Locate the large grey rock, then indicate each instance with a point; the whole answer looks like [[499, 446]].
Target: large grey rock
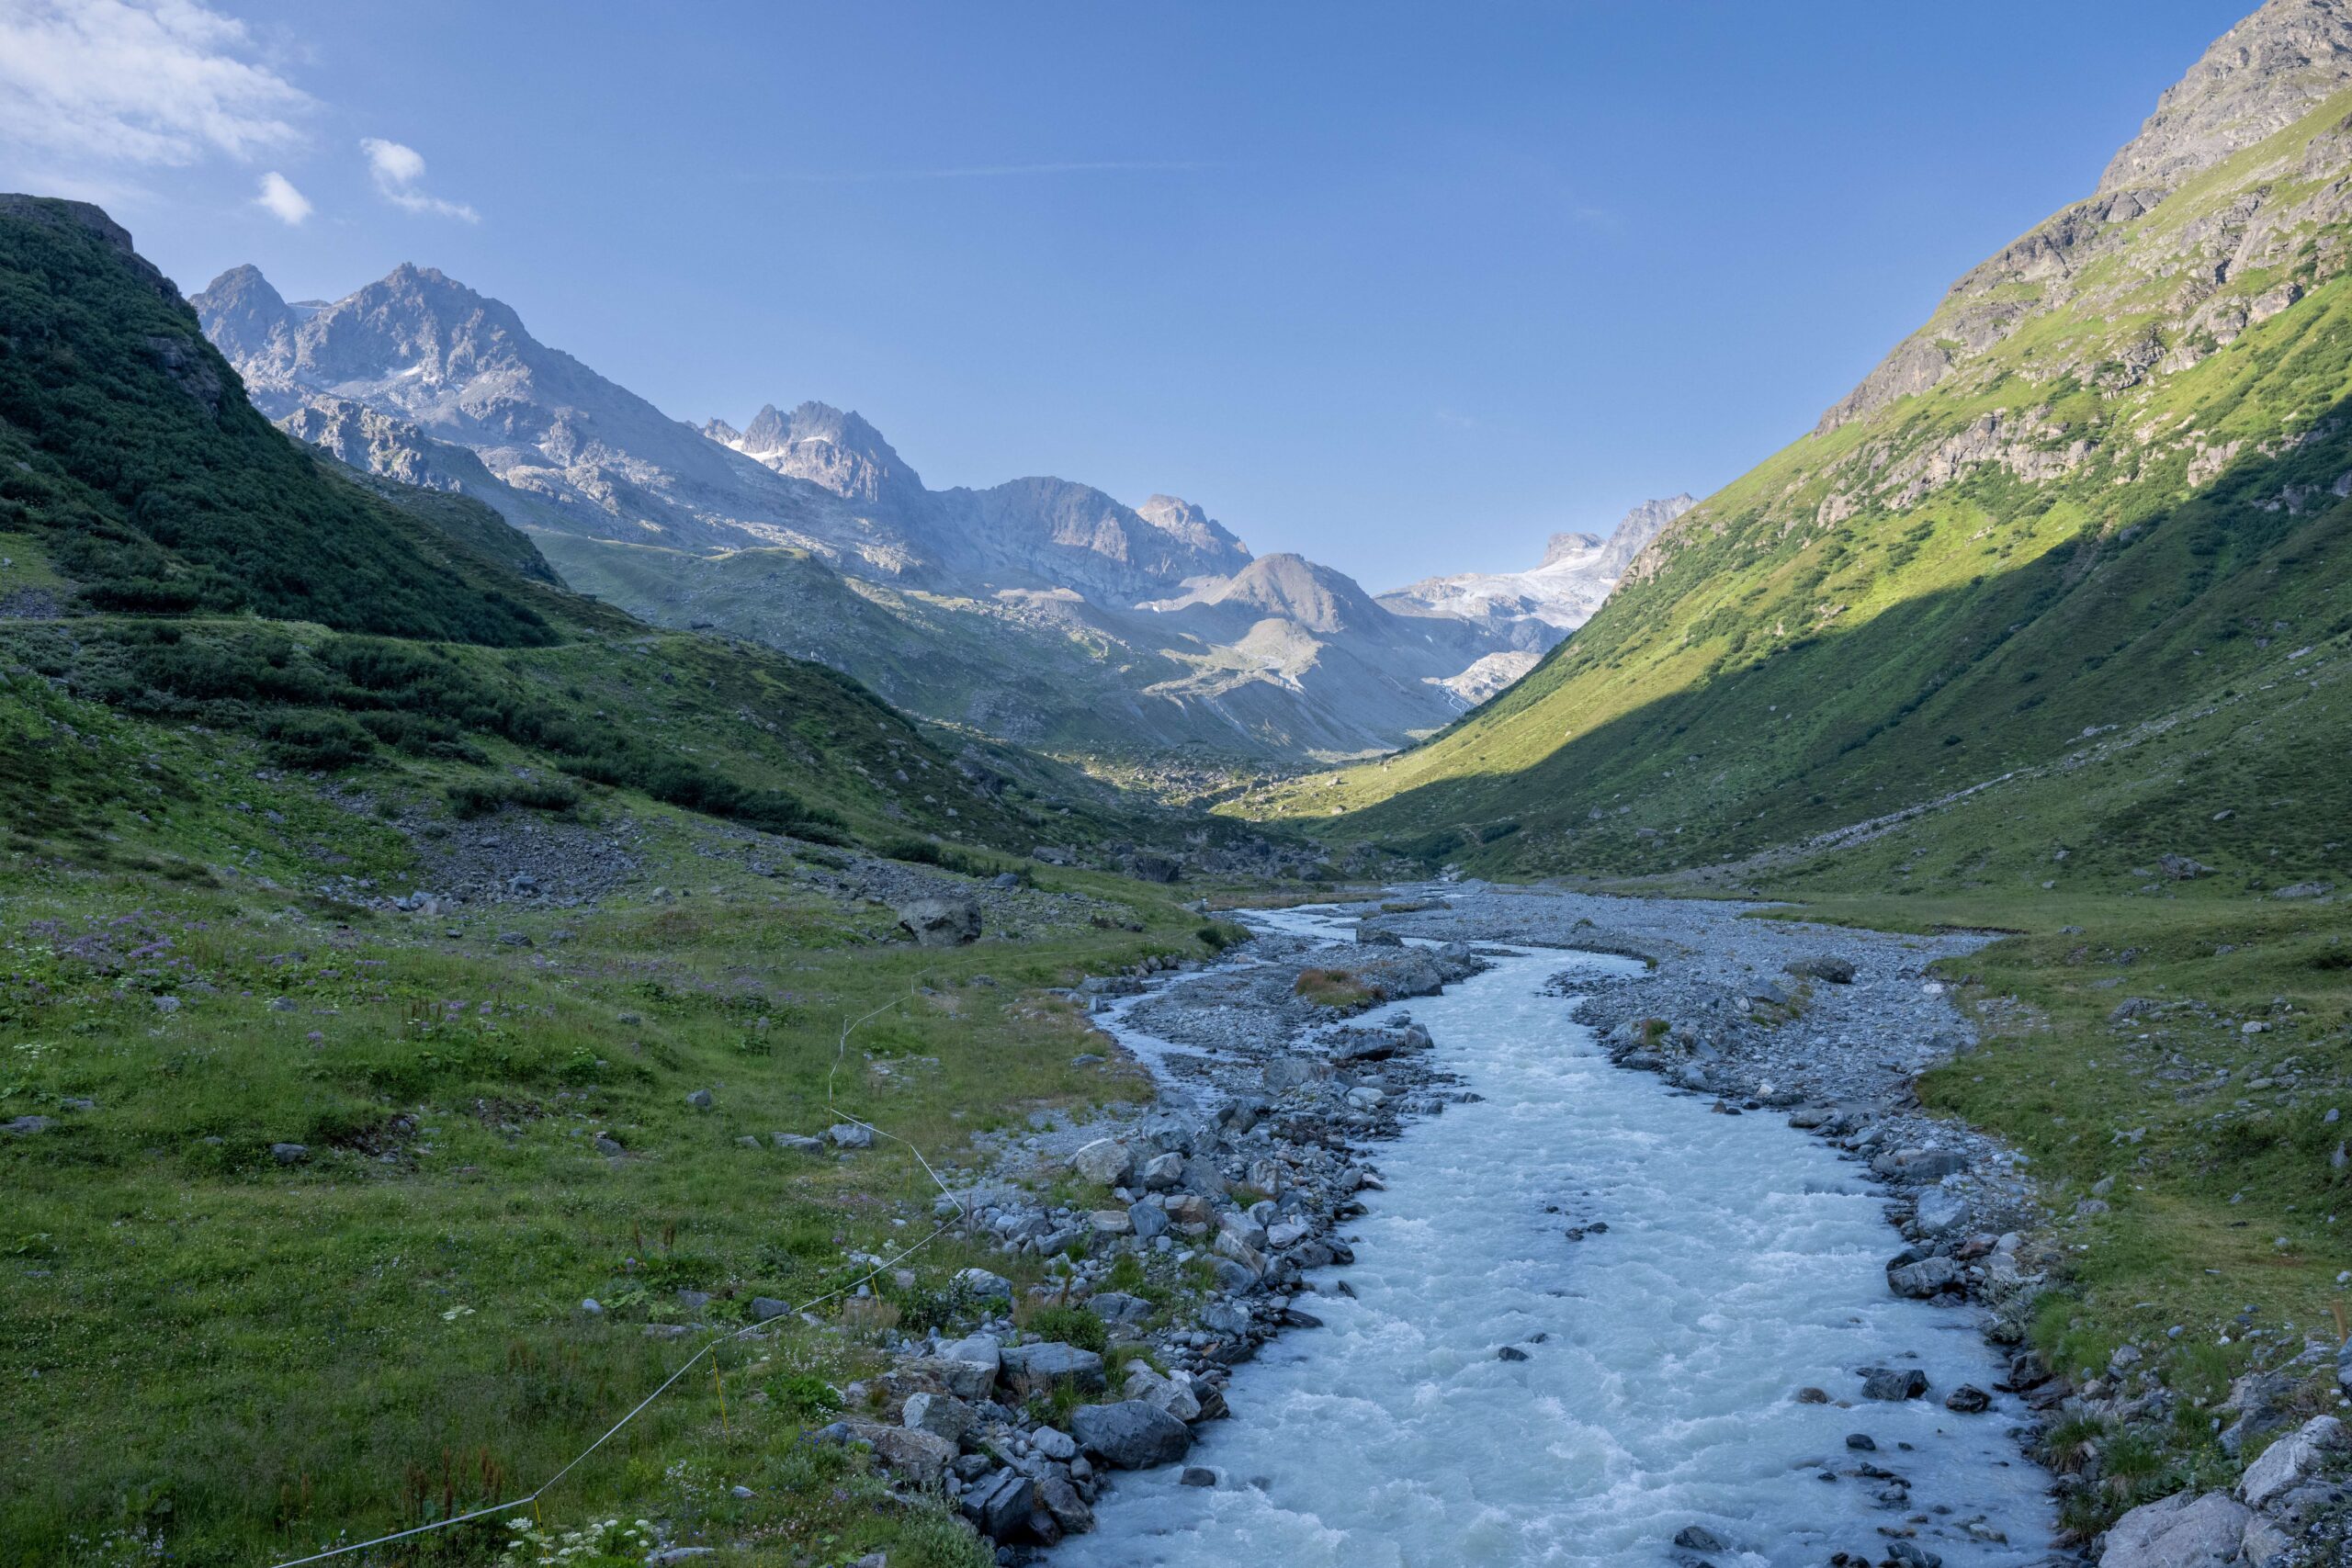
[[1060, 1498], [2291, 1461], [1130, 1434], [1105, 1162], [2177, 1533], [1941, 1210], [922, 1457], [1286, 1073], [1893, 1383], [966, 1367], [1036, 1369], [1162, 1393], [851, 1135], [941, 922], [1928, 1277], [999, 1504], [1163, 1171], [941, 1415]]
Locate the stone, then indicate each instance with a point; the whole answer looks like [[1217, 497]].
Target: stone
[[1940, 1211], [1162, 1171], [1197, 1475], [1149, 1220], [1928, 1277], [1000, 1503], [2180, 868], [1060, 1498], [1111, 1222], [1835, 971], [1105, 1162], [1895, 1383], [1812, 1396], [1920, 1164], [1699, 1537], [1162, 1393], [850, 1136], [1230, 1247], [1968, 1400], [922, 1457], [1286, 1073], [797, 1143], [1036, 1369], [26, 1126], [1861, 1442], [1130, 1434], [289, 1154], [2179, 1532], [1511, 1353], [966, 1368], [1118, 1307], [941, 1415], [765, 1309], [1055, 1444], [941, 922], [2264, 1542], [2291, 1461], [699, 1100]]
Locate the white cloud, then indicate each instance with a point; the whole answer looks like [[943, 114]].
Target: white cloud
[[136, 82], [397, 170], [278, 195]]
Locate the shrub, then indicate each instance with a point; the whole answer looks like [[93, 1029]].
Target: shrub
[[803, 1396], [1071, 1326], [470, 799]]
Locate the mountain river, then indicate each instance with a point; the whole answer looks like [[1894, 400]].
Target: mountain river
[[1741, 1261]]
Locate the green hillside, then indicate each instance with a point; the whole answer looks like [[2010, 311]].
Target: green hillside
[[370, 907], [2094, 573]]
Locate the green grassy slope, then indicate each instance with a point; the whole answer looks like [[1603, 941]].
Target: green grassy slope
[[2109, 550], [247, 698]]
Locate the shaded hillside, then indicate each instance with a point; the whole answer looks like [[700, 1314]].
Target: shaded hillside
[[128, 447], [2078, 547], [172, 559]]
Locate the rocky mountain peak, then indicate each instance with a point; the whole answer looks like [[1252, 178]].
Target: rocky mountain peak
[[829, 447], [244, 315], [2254, 81], [1172, 514]]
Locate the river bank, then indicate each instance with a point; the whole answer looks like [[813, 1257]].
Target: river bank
[[1268, 1099]]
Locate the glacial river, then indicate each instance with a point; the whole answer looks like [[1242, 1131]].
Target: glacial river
[[1741, 1261]]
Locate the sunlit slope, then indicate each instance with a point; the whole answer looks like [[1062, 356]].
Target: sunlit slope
[[2116, 496]]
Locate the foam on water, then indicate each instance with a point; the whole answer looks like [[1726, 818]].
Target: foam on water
[[1742, 1261]]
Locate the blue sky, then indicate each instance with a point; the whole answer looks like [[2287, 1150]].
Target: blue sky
[[1401, 287]]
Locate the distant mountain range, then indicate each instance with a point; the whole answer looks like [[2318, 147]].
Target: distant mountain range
[[1040, 609]]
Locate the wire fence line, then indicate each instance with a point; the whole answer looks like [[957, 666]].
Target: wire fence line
[[749, 1331]]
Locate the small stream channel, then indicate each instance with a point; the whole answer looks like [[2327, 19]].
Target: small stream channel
[[1741, 1261]]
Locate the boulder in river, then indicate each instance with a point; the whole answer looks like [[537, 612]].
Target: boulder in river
[[1895, 1383], [1130, 1434]]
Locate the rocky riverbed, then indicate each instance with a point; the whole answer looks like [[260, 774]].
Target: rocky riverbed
[[1236, 1208]]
